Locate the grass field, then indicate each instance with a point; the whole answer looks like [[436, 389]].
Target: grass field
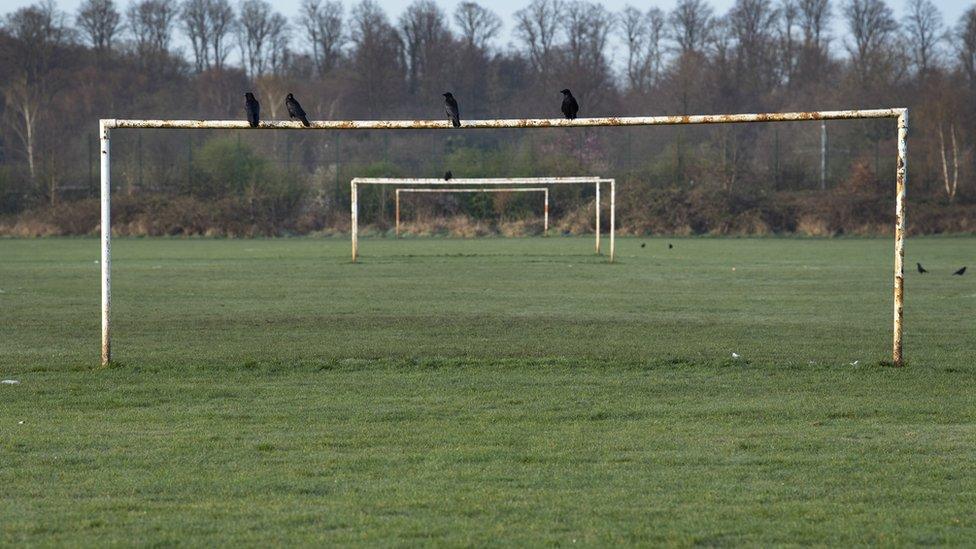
[[487, 392]]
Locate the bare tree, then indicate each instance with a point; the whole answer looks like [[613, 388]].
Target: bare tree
[[691, 25], [478, 25], [751, 24], [222, 22], [537, 25], [151, 24], [587, 28], [951, 183], [278, 41], [323, 30], [377, 58], [197, 27], [40, 31], [814, 19], [966, 37], [872, 26], [100, 22], [262, 36], [925, 29], [789, 44], [207, 24], [643, 34], [426, 40]]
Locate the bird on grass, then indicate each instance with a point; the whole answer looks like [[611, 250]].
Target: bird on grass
[[643, 244], [448, 175], [253, 109], [921, 269], [670, 246], [295, 110], [960, 272], [570, 106], [451, 107]]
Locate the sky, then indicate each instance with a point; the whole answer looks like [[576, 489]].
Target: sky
[[952, 10]]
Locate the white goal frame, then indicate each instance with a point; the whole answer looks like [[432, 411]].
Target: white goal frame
[[900, 114], [487, 182], [427, 190]]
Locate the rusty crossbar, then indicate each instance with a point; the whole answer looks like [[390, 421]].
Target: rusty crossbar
[[901, 114], [426, 190], [508, 122]]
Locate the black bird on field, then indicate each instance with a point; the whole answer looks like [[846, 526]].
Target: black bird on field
[[295, 110], [448, 175], [643, 244], [253, 109], [921, 269], [670, 245], [960, 272], [451, 107], [570, 106]]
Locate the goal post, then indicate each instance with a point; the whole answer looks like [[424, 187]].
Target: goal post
[[485, 182], [426, 190], [900, 114]]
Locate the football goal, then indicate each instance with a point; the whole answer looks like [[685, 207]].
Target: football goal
[[426, 190], [486, 182], [108, 125]]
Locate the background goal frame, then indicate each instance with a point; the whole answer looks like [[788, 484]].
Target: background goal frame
[[484, 181], [425, 190]]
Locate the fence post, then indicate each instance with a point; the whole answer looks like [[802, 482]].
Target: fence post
[[823, 155]]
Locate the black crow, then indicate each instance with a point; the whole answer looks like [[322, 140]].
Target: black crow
[[643, 244], [960, 272], [448, 175], [451, 107], [921, 269], [295, 110], [570, 106], [253, 109], [670, 245]]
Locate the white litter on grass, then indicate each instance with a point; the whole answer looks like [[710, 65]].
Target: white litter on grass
[[735, 355], [21, 422], [10, 382], [854, 363]]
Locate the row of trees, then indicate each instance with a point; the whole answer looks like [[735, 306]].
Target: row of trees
[[61, 72]]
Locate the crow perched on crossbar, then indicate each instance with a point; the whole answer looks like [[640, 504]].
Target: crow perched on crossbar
[[569, 107], [451, 107], [253, 109], [448, 175], [295, 110], [960, 272], [921, 269]]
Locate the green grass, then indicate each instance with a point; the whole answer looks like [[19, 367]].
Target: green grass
[[487, 392]]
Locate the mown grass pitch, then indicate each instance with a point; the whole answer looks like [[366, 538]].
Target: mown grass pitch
[[489, 391]]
